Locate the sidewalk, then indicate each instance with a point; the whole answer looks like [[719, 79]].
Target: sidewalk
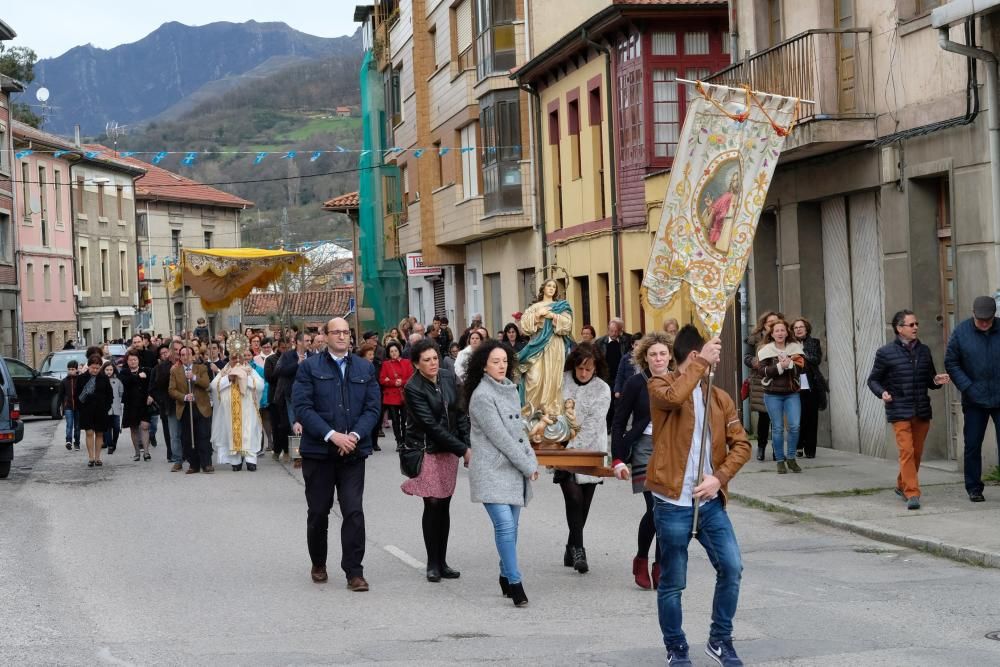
[[854, 492]]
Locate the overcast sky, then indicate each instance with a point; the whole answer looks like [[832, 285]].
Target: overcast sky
[[52, 27]]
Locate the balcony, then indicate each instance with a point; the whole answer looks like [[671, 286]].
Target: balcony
[[832, 67]]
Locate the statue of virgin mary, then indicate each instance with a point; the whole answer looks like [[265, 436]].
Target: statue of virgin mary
[[549, 322]]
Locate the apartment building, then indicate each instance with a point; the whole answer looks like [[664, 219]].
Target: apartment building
[[884, 197], [10, 336]]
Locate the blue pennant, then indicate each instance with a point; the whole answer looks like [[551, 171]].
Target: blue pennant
[[91, 155], [20, 155], [341, 149], [290, 155], [417, 153], [260, 157], [189, 158], [158, 158], [443, 150], [315, 156], [468, 149], [127, 154], [59, 154]]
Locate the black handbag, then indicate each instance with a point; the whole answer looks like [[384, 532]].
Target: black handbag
[[411, 460]]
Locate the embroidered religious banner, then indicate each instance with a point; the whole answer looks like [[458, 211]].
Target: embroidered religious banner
[[725, 159], [221, 275]]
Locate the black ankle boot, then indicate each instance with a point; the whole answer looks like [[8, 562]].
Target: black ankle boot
[[517, 595], [760, 452], [433, 574], [568, 556], [448, 573], [504, 586], [580, 560]]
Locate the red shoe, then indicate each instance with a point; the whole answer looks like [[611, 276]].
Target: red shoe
[[656, 575], [640, 568]]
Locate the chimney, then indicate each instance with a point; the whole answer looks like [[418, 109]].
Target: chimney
[[76, 135]]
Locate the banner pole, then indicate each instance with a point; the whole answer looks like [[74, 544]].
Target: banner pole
[[701, 450], [692, 82]]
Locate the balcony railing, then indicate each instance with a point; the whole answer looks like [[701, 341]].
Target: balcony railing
[[832, 67]]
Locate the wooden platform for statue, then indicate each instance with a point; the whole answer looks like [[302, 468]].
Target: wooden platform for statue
[[574, 460]]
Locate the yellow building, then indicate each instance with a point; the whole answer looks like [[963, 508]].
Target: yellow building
[[609, 111]]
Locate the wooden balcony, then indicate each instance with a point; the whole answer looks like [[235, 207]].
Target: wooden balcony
[[832, 67]]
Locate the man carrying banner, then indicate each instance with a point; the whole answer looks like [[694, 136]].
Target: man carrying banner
[[676, 408]]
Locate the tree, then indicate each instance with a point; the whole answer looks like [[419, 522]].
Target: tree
[[18, 62]]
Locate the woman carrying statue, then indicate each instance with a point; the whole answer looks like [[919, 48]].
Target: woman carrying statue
[[236, 425], [549, 322]]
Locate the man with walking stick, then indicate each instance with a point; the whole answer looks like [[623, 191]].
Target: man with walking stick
[[189, 383], [679, 413]]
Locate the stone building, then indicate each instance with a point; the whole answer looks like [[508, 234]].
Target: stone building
[[10, 336]]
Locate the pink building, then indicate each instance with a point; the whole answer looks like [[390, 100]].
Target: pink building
[[43, 214]]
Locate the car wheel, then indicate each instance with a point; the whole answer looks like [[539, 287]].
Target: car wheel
[[56, 409], [4, 469]]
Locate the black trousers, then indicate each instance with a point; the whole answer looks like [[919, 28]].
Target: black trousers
[[347, 478], [165, 423], [280, 428], [809, 423], [198, 453], [397, 414]]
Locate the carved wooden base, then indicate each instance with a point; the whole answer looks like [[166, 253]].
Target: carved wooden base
[[574, 460]]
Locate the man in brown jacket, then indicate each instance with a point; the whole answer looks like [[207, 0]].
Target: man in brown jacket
[[189, 384], [677, 408]]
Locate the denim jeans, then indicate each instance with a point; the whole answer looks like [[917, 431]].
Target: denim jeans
[[152, 427], [72, 427], [176, 448], [780, 407], [976, 421], [715, 532], [504, 518]]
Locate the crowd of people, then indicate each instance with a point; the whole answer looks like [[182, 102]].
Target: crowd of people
[[458, 400]]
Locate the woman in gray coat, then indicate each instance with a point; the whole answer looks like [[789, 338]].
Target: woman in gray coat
[[504, 462]]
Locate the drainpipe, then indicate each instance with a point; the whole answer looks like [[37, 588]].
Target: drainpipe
[[536, 168], [992, 114], [608, 111]]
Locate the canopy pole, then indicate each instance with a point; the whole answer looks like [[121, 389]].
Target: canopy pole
[[691, 82]]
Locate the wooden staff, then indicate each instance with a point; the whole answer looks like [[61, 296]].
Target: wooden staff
[[194, 448]]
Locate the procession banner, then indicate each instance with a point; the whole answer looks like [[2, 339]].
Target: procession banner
[[222, 275], [725, 159]]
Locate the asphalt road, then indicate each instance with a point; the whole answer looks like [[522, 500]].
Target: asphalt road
[[131, 564]]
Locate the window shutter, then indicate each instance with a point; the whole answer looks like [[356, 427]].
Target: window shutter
[[463, 17]]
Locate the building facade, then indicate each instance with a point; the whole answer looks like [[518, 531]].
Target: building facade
[[10, 330], [610, 113], [883, 198], [45, 257], [104, 239], [174, 212], [458, 130]]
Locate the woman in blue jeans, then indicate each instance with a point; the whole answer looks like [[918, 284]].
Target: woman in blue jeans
[[503, 463], [781, 361]]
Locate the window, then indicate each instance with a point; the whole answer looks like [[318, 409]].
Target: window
[[46, 282], [463, 35], [4, 160], [594, 105], [393, 99], [120, 201], [501, 124], [438, 165], [83, 261], [573, 123], [178, 316], [631, 142], [100, 200], [26, 191], [29, 281], [495, 43], [470, 169], [105, 271], [107, 333], [555, 159], [123, 271], [79, 194], [43, 206], [440, 57], [57, 182], [666, 112], [175, 242], [208, 239], [62, 282], [773, 22], [5, 237], [142, 224]]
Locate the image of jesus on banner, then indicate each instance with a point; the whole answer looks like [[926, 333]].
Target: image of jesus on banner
[[719, 208]]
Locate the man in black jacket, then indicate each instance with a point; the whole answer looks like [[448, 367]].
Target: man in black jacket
[[902, 374]]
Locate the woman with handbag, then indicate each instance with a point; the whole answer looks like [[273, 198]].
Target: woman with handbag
[[438, 426], [505, 463], [755, 390], [591, 395], [93, 399], [393, 376], [812, 389], [632, 445], [137, 404], [781, 362]]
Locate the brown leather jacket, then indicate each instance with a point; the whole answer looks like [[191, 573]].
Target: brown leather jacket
[[671, 410], [199, 386]]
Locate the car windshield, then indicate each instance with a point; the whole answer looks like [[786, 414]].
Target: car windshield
[[56, 363]]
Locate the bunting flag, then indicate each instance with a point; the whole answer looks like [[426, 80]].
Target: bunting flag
[[727, 152], [189, 158]]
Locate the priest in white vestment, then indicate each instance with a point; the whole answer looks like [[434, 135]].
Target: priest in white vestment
[[236, 426]]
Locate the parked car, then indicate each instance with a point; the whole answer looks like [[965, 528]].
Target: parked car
[[117, 353], [11, 426], [38, 394], [54, 363]]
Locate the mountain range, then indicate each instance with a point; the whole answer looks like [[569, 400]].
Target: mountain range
[[171, 71]]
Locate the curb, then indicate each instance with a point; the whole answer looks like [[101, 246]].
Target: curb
[[931, 545]]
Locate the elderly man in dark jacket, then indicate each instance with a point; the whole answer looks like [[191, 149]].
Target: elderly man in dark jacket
[[337, 401], [902, 374], [973, 362]]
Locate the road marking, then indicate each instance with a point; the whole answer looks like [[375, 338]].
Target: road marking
[[405, 557], [104, 655]]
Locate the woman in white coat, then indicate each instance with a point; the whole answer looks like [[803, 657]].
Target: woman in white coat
[[236, 425], [504, 463]]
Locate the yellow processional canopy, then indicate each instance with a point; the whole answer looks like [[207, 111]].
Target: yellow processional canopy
[[222, 275]]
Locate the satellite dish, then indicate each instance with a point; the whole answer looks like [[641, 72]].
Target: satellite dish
[[42, 95]]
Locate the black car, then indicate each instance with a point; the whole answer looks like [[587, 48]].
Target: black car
[[38, 394], [11, 426]]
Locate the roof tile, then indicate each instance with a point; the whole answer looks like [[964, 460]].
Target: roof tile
[[326, 303]]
